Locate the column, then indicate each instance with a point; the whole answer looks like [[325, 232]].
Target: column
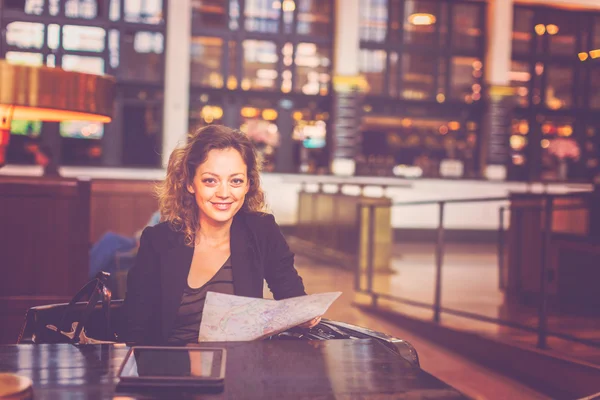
[[177, 76], [347, 86], [495, 151]]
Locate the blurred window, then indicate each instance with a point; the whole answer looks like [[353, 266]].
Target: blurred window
[[144, 11], [86, 9], [520, 78], [206, 57], [312, 69], [142, 56], [25, 35], [595, 88], [418, 77], [314, 18], [83, 38], [561, 31], [89, 65], [259, 65], [373, 22], [522, 30], [263, 15], [22, 58], [465, 80], [559, 87], [372, 66], [210, 13], [34, 7], [421, 20], [466, 22]]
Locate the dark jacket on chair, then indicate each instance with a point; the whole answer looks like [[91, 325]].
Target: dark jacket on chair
[[156, 282]]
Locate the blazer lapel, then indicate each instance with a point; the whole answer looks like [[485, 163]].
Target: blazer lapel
[[245, 279], [175, 269]]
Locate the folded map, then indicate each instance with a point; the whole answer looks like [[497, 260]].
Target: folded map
[[227, 318]]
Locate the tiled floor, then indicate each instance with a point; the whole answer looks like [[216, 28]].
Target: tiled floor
[[470, 283], [470, 378]]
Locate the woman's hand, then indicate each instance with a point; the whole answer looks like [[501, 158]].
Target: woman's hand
[[310, 324]]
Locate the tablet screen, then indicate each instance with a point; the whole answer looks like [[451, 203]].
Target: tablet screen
[[174, 363]]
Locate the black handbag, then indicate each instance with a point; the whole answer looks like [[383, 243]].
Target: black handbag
[[86, 319]]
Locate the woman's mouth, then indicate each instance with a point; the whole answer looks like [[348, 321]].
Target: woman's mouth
[[222, 206]]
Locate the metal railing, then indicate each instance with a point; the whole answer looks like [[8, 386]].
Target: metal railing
[[547, 209]]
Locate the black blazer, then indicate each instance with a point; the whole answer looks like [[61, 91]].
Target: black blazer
[[156, 282]]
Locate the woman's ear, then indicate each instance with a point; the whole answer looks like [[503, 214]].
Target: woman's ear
[[190, 189]]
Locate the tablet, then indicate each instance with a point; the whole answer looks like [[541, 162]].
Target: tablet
[[173, 366]]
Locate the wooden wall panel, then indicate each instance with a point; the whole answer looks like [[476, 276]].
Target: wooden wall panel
[[121, 206], [44, 242]]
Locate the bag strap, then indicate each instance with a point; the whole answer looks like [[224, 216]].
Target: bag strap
[[96, 290]]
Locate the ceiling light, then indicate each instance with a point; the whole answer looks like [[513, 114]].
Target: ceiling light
[[540, 29], [583, 56], [552, 29], [422, 19], [595, 53]]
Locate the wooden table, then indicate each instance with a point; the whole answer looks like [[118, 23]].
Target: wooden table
[[293, 369]]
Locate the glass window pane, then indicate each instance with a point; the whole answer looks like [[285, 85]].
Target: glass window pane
[[81, 129], [595, 88], [89, 65], [393, 74], [259, 65], [520, 78], [83, 38], [142, 56], [420, 21], [372, 66], [466, 23], [522, 30], [113, 47], [114, 12], [144, 11], [560, 151], [142, 138], [559, 87], [260, 124], [204, 114], [562, 34], [22, 58], [35, 7], [373, 20], [418, 75], [597, 33], [25, 35], [313, 67], [465, 79], [209, 14], [53, 36], [314, 17], [206, 58], [232, 81], [263, 15], [87, 9]]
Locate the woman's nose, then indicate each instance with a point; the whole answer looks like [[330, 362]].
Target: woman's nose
[[223, 190]]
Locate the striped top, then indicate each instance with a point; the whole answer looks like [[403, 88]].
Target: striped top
[[187, 322]]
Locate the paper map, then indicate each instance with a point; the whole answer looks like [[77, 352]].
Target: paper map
[[228, 318]]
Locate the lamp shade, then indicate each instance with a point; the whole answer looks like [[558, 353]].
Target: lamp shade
[[53, 94]]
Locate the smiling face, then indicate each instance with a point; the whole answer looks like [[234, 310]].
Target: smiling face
[[220, 186]]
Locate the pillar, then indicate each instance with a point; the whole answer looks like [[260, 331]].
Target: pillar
[[177, 76], [495, 148], [347, 86]]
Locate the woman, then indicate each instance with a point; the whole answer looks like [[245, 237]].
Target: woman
[[214, 237]]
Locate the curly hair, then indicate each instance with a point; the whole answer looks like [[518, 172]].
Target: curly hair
[[176, 204]]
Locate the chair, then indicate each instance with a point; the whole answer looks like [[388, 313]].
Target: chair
[[35, 330]]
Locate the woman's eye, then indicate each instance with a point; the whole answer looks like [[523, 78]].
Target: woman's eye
[[237, 181], [209, 180]]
